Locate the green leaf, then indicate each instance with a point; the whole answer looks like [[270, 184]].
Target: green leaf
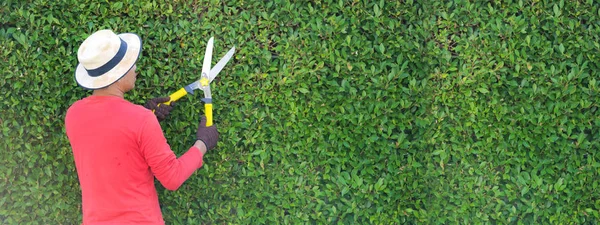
[[561, 48], [437, 152], [376, 10], [18, 85], [524, 191], [303, 90], [381, 48], [379, 184]]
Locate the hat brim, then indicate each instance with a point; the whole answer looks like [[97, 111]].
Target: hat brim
[[134, 49]]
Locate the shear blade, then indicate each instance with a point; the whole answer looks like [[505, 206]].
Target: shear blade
[[215, 70], [207, 57]]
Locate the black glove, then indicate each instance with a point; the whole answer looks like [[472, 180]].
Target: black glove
[[161, 111], [208, 135]]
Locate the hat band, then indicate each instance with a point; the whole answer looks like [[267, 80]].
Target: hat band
[[111, 63]]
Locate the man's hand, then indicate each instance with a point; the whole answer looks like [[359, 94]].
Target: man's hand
[[208, 135], [161, 111]]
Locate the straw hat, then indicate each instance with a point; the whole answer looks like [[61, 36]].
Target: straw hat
[[105, 57]]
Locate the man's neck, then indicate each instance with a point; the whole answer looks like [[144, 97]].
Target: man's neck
[[109, 91]]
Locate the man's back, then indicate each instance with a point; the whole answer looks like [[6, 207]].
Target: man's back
[[116, 181]]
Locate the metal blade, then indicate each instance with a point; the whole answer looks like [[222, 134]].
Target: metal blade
[[207, 58], [207, 93], [193, 86], [215, 70]]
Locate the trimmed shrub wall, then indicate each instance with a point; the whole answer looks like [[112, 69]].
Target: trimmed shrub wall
[[367, 112]]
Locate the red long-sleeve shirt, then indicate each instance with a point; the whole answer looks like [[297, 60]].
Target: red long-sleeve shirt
[[119, 148]]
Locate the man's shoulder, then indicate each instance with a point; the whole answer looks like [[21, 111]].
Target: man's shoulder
[[120, 106], [135, 111]]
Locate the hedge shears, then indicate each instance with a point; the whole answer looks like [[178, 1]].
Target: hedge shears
[[208, 75]]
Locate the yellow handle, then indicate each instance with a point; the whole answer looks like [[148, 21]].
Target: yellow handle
[[208, 112], [177, 95]]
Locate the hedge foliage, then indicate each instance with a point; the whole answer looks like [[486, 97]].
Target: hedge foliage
[[384, 112]]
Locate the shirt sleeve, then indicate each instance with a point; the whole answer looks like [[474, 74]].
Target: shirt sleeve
[[166, 167]]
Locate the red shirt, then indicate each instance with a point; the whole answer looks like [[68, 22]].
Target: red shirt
[[119, 148]]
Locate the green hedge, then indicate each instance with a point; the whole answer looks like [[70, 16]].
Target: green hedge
[[384, 112]]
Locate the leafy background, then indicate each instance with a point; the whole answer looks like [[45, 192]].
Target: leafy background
[[331, 111]]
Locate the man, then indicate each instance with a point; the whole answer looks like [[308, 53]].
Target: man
[[119, 147]]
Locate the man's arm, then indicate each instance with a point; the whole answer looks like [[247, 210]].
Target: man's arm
[[166, 167], [201, 146]]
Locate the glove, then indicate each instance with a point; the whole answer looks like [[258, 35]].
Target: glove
[[208, 135], [161, 111]]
